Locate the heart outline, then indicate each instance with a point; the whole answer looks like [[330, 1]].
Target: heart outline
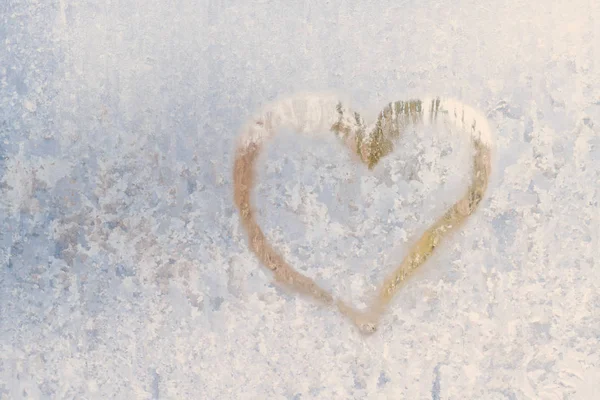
[[319, 112]]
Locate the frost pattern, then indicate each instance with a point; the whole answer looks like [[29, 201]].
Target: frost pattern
[[124, 272]]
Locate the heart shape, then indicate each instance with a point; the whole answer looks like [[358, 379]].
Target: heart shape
[[325, 112]]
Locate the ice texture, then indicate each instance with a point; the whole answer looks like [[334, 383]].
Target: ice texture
[[124, 272]]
